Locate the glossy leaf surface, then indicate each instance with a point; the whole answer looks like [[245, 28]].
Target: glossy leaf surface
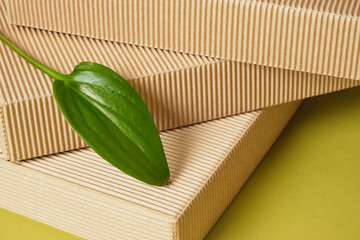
[[110, 116]]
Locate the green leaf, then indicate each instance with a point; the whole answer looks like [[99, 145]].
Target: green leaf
[[110, 116]]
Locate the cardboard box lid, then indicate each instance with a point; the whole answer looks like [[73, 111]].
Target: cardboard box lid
[[79, 192], [179, 89], [317, 36]]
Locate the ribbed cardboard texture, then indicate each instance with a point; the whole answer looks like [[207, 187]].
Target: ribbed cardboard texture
[[179, 89], [316, 36], [79, 192]]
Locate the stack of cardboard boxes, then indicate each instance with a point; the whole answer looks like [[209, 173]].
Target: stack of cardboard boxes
[[220, 78]]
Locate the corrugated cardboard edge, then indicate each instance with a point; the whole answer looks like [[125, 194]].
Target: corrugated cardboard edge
[[36, 127], [254, 32], [21, 195], [3, 136], [229, 177], [175, 99]]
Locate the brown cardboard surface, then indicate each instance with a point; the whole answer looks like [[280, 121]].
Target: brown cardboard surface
[[315, 36], [79, 192], [179, 89]]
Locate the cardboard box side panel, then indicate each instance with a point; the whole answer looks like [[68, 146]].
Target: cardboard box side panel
[[300, 39], [226, 88], [4, 151], [174, 99], [84, 213], [339, 7], [36, 127], [232, 173]]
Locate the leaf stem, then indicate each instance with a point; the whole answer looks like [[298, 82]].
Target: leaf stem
[[53, 74]]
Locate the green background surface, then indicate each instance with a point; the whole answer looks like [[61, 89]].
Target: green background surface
[[307, 186]]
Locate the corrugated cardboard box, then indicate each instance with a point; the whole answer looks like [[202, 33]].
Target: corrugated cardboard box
[[318, 36], [79, 192], [179, 89]]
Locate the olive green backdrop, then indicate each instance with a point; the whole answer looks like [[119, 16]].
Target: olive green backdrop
[[307, 187]]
